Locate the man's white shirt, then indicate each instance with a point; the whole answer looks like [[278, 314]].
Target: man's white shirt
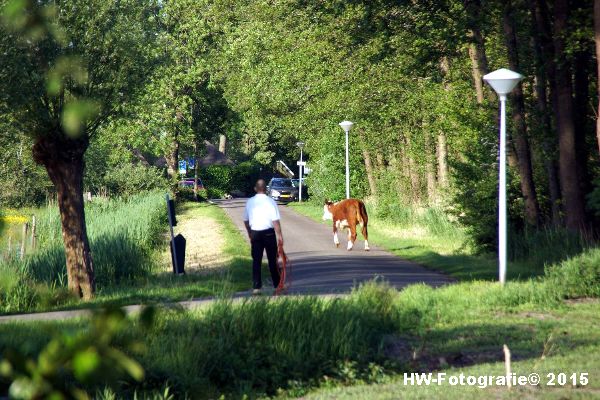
[[260, 212]]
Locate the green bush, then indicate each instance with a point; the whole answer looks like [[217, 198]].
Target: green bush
[[220, 180], [576, 277], [23, 182], [130, 179]]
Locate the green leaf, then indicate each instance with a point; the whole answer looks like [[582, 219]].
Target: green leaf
[[77, 114], [85, 363]]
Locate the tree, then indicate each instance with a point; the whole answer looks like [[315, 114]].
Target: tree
[[597, 42], [532, 209], [68, 68], [477, 53], [569, 177]]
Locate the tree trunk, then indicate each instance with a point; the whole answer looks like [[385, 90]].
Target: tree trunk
[[410, 165], [479, 63], [222, 143], [476, 72], [63, 159], [545, 121], [532, 209], [172, 158], [597, 41], [569, 179], [442, 142], [430, 170], [545, 73], [370, 174], [582, 72], [196, 168], [442, 157]]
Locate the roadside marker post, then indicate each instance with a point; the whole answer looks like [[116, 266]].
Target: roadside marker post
[[177, 243]]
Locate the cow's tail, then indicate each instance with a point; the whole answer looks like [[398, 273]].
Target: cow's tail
[[362, 216]]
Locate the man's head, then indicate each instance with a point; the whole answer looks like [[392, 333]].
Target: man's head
[[261, 186]]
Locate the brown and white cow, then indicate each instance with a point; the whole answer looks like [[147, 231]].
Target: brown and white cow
[[347, 214]]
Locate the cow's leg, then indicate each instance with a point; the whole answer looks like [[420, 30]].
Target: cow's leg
[[366, 236], [336, 241], [351, 237]]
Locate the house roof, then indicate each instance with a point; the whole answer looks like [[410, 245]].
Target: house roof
[[214, 156]]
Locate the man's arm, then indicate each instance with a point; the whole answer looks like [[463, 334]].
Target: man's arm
[[277, 226], [247, 224], [246, 218]]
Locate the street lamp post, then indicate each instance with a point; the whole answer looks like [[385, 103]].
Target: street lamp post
[[300, 170], [346, 126], [503, 81]]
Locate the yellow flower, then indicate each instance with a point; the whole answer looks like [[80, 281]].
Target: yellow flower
[[14, 219]]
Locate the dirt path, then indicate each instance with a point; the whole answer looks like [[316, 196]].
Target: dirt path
[[205, 241]]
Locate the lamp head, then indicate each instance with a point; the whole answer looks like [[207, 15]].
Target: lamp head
[[300, 144], [346, 125], [503, 80]]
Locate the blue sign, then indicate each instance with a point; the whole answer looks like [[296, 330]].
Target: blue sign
[[191, 162], [182, 167]]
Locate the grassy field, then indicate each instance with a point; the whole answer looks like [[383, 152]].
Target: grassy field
[[358, 347], [563, 340], [128, 241]]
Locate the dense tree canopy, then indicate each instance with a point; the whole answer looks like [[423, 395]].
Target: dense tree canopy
[[147, 82]]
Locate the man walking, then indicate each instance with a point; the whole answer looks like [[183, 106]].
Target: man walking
[[261, 218]]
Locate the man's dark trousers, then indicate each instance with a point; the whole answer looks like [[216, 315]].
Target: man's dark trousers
[[264, 240]]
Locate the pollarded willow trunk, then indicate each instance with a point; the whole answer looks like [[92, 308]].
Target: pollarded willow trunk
[[63, 159]]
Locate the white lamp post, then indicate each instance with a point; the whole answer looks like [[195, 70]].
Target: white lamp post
[[503, 81], [346, 126], [300, 170]]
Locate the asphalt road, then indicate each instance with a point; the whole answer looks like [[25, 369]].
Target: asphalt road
[[318, 267]]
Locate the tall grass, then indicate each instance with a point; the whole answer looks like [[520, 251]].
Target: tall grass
[[545, 246], [122, 236], [259, 346], [433, 219]]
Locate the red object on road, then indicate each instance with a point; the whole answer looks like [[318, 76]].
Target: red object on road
[[285, 281]]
